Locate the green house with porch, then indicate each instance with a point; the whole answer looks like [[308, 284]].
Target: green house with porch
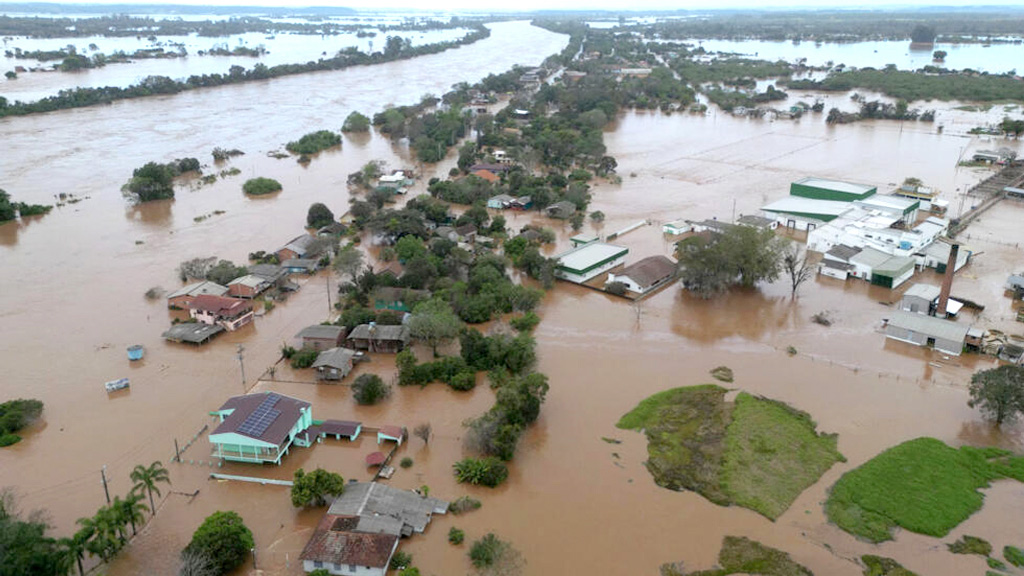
[[260, 428]]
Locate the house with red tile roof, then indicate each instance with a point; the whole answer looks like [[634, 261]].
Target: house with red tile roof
[[230, 313]]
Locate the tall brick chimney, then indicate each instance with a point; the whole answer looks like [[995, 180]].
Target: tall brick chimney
[[947, 281]]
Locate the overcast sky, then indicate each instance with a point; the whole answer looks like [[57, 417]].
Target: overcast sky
[[478, 5]]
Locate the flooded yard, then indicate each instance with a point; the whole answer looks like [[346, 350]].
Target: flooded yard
[[71, 300]]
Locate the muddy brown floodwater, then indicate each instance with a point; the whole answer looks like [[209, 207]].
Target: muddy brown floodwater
[[71, 299]]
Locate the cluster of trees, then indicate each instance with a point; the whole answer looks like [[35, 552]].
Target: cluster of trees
[[517, 404], [10, 210], [15, 415], [155, 181], [319, 215], [489, 471], [998, 393], [430, 133], [314, 488], [966, 85], [356, 122], [153, 85], [210, 268], [26, 549], [1008, 125], [314, 142], [739, 256], [369, 389], [451, 370]]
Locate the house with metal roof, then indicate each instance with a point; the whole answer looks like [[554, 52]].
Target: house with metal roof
[[297, 247], [561, 210], [646, 275], [321, 337], [500, 202], [334, 363], [191, 332], [588, 261], [393, 511], [922, 330], [882, 269], [300, 265], [248, 286], [180, 299], [799, 213], [378, 338], [260, 428], [924, 299], [676, 227]]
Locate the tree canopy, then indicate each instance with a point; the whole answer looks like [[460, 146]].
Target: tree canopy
[[998, 393], [319, 215], [15, 415], [356, 122], [223, 538], [434, 323], [260, 186], [369, 389], [313, 489], [739, 256]]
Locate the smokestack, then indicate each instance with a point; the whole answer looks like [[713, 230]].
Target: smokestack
[[947, 281]]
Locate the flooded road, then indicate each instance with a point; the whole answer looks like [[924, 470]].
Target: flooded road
[[71, 299]]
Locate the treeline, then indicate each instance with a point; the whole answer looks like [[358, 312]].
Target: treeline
[[154, 85], [10, 210], [911, 86], [844, 26]]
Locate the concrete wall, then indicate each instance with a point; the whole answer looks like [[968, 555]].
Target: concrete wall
[[343, 569]]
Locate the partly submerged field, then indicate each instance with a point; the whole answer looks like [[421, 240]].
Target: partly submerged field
[[744, 556], [754, 452], [921, 485]]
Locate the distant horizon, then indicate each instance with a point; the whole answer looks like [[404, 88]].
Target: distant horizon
[[612, 7]]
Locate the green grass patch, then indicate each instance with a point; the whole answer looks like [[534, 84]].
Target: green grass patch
[[773, 453], [997, 564], [1014, 556], [745, 556], [260, 186], [921, 485], [971, 545], [757, 453], [881, 566]]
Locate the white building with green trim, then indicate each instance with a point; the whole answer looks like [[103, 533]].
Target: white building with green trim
[[588, 261], [260, 428]]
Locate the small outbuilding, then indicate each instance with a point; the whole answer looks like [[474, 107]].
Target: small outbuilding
[[334, 363], [192, 332], [395, 434], [299, 265], [500, 202]]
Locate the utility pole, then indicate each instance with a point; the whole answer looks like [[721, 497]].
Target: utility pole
[[241, 363], [327, 277], [103, 475]]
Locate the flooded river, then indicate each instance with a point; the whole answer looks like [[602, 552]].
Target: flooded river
[[71, 299]]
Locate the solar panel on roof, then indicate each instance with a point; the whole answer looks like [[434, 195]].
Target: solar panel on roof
[[256, 423]]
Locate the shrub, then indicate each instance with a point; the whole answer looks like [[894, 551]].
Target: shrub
[[463, 381], [287, 351], [356, 122], [260, 186], [456, 536], [304, 358], [526, 322], [369, 389], [464, 504], [615, 288], [314, 142], [971, 545], [487, 551], [400, 560], [1014, 556], [722, 373], [488, 471], [406, 462], [319, 215]]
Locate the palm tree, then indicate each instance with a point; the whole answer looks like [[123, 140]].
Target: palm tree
[[132, 509], [147, 478], [72, 550], [101, 534]]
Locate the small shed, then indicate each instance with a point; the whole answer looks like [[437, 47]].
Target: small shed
[[333, 364], [376, 458], [466, 233], [321, 337], [396, 434], [581, 239], [920, 298], [522, 203], [500, 202], [676, 227], [340, 429], [192, 332]]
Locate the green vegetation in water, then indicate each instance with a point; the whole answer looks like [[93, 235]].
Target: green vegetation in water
[[995, 563], [488, 471], [971, 545], [741, 555], [911, 85], [757, 453], [880, 566], [8, 209], [921, 485], [456, 536], [260, 186], [15, 415], [722, 374], [314, 142], [155, 181], [1014, 556], [464, 504]]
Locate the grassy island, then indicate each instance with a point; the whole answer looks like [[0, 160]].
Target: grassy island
[[754, 452]]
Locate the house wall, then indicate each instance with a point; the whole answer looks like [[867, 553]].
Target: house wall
[[899, 280], [629, 282], [918, 339], [321, 344], [236, 323], [286, 254], [833, 272], [203, 316], [580, 278], [330, 373], [795, 221], [342, 569], [915, 304], [242, 291]]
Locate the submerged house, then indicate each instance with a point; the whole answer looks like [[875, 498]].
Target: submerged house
[[377, 338], [260, 428], [645, 275], [588, 261], [334, 364], [230, 313], [248, 286], [180, 299], [298, 247], [362, 528], [321, 337], [561, 210], [922, 330], [397, 299]]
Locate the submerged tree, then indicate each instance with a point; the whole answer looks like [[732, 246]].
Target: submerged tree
[[739, 256], [795, 265], [146, 479], [998, 393], [313, 489]]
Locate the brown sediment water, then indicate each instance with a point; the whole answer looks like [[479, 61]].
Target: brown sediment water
[[71, 300]]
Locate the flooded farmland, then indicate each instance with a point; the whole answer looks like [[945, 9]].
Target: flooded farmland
[[71, 299]]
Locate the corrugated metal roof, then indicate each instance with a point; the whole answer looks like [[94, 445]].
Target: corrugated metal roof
[[929, 325], [589, 255], [800, 205], [335, 358], [837, 185]]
